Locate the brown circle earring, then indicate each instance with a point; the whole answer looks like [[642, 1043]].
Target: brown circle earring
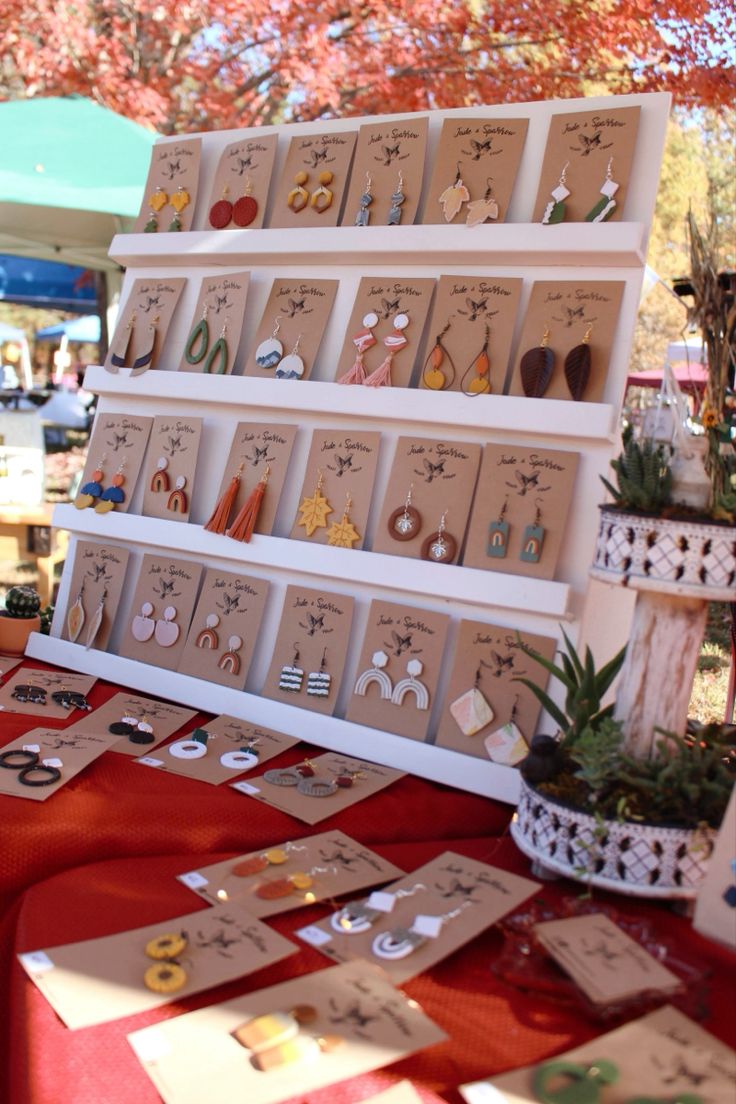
[[404, 524]]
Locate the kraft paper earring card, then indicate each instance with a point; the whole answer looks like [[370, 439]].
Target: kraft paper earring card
[[309, 654], [224, 630], [346, 464], [45, 759], [240, 188], [117, 445], [486, 713], [291, 328], [469, 335], [171, 187], [170, 466], [388, 169], [566, 340], [32, 690], [135, 722], [427, 503], [218, 1054], [422, 918], [143, 322], [398, 670], [258, 453], [95, 587], [341, 866], [587, 166], [311, 188], [98, 980], [519, 516], [384, 331], [474, 170], [664, 1056], [320, 787], [217, 324], [231, 748], [715, 905], [159, 616]]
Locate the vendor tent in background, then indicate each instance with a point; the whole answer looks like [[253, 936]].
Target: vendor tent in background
[[71, 176], [80, 331], [10, 335], [38, 283]]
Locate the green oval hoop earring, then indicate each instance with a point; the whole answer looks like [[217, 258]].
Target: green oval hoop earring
[[218, 350], [201, 334]]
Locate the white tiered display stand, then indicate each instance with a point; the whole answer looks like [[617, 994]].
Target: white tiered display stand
[[608, 251]]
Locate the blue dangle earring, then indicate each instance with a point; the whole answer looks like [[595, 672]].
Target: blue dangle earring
[[533, 540], [363, 216], [498, 534]]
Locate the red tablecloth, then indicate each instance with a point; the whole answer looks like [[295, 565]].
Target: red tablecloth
[[102, 854]]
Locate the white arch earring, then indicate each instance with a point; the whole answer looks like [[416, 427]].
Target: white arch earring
[[412, 685], [167, 631], [143, 625], [375, 674]]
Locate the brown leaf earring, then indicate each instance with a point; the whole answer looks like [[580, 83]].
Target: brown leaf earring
[[479, 371], [536, 368], [577, 366], [432, 375]]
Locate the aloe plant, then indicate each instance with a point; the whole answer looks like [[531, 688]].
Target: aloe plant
[[643, 475], [585, 687]]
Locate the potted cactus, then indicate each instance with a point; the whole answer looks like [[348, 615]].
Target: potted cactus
[[595, 807], [19, 619]]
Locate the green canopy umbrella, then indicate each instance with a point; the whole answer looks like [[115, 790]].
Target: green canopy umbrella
[[71, 176]]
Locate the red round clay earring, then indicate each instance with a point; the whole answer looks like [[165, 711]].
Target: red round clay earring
[[221, 212], [245, 209]]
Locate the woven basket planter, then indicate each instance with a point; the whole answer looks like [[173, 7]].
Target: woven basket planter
[[635, 859], [690, 558]]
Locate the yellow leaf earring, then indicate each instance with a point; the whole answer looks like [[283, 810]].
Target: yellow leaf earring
[[343, 534], [179, 200], [315, 510], [156, 201]]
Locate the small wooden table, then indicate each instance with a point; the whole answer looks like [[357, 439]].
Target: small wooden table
[[26, 535]]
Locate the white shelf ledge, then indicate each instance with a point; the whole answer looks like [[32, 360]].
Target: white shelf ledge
[[548, 418], [424, 760], [616, 244], [469, 585]]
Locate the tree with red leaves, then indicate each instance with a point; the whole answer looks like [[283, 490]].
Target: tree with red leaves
[[203, 64]]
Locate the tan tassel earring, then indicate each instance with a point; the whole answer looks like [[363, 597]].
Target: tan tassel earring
[[245, 523], [220, 516]]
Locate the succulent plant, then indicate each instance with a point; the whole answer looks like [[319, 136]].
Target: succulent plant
[[22, 602], [643, 476]]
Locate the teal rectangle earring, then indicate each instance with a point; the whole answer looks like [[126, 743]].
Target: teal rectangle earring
[[533, 540], [498, 535]]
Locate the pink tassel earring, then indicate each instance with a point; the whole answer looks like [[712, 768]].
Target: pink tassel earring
[[363, 341], [394, 343]]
